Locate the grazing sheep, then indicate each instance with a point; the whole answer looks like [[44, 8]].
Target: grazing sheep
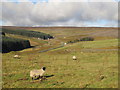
[[65, 43], [74, 58], [37, 73], [16, 56]]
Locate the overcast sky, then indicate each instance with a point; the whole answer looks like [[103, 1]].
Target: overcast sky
[[59, 13]]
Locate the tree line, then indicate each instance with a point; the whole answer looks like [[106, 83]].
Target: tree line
[[13, 44], [82, 39], [28, 33]]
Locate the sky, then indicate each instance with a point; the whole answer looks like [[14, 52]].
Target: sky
[[78, 13]]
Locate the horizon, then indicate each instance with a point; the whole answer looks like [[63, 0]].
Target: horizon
[[59, 27]]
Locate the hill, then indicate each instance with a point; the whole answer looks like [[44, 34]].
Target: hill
[[96, 65]]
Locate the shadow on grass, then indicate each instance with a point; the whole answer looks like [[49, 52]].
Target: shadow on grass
[[43, 77], [47, 76], [7, 51]]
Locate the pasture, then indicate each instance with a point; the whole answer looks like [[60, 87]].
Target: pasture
[[96, 65]]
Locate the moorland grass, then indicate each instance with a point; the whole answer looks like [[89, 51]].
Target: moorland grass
[[85, 72]]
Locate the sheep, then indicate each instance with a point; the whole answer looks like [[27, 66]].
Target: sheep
[[37, 73], [16, 56], [74, 58], [65, 43]]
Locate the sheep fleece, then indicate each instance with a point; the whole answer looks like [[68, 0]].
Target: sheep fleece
[[34, 73]]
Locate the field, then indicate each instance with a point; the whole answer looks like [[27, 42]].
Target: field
[[96, 65]]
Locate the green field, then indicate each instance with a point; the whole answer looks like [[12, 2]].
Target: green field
[[96, 65]]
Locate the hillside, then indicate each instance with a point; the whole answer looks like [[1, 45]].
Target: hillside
[[96, 65]]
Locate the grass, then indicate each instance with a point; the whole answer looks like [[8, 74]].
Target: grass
[[92, 69]]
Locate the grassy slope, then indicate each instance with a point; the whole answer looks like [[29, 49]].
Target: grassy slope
[[85, 72]]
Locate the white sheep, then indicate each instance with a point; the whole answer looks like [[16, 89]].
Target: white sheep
[[37, 73], [65, 43], [16, 56], [74, 58]]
